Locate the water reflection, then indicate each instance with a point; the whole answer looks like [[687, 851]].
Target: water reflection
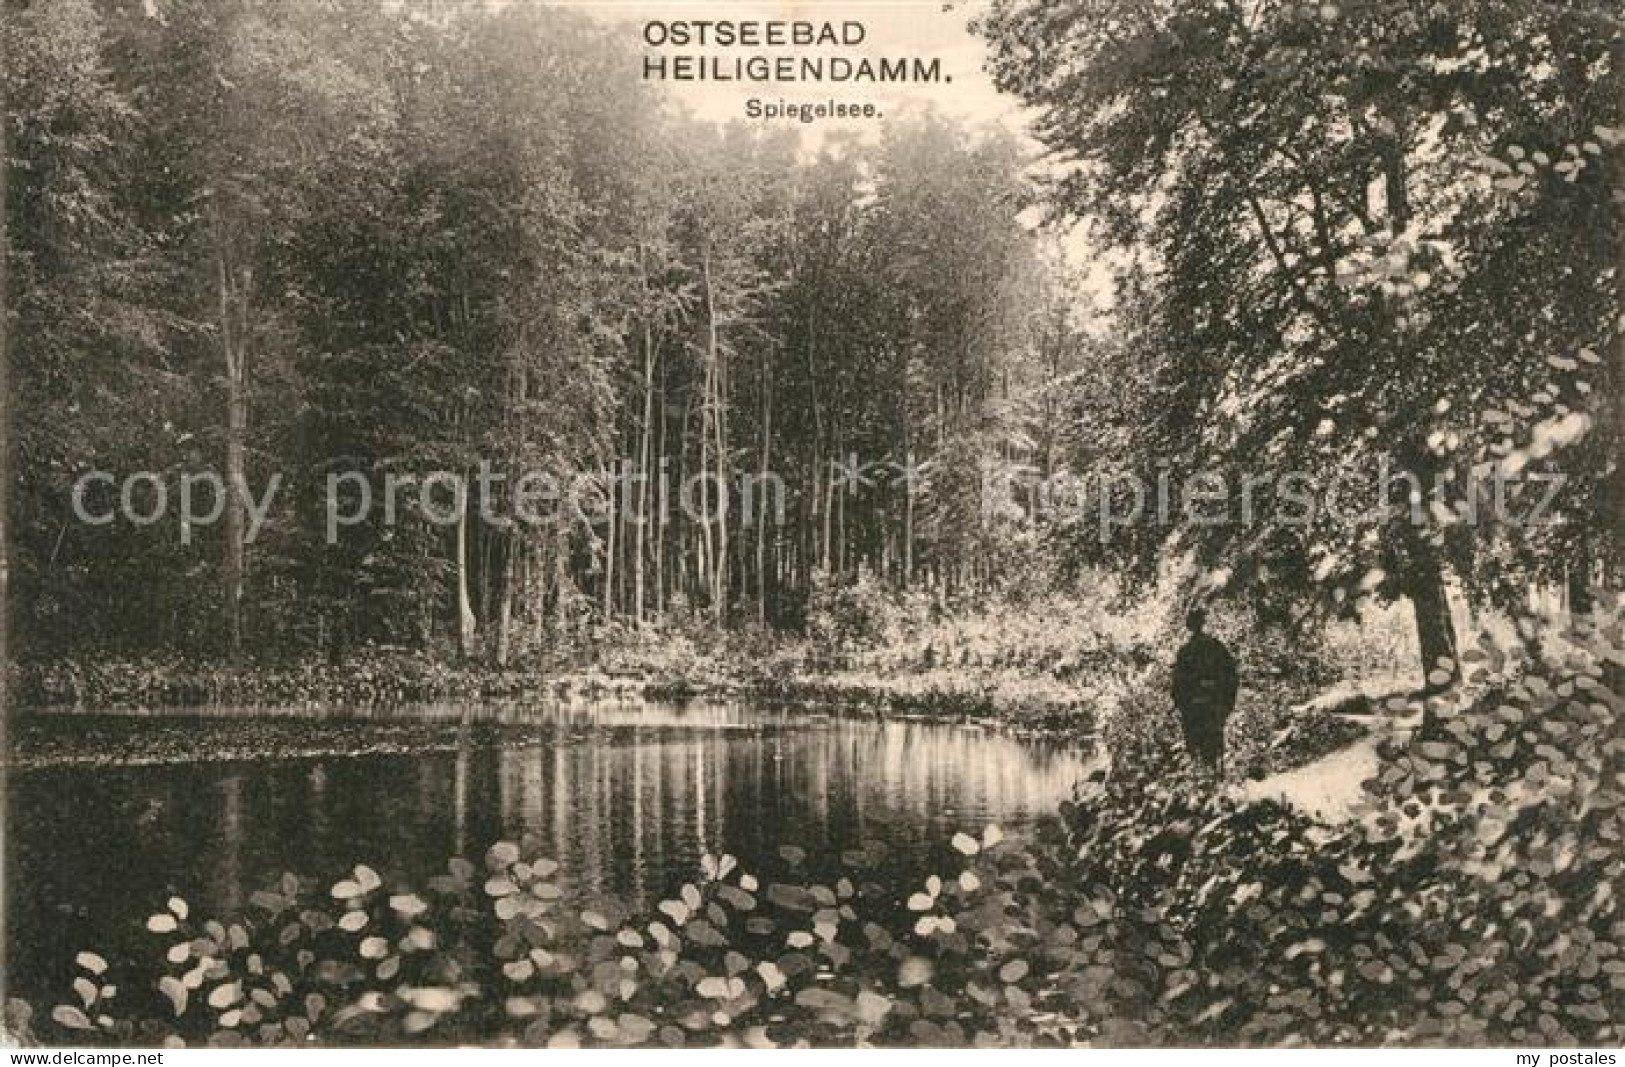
[[626, 798]]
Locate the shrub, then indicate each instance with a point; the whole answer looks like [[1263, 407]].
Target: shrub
[[845, 614], [1475, 902], [489, 954], [1267, 737]]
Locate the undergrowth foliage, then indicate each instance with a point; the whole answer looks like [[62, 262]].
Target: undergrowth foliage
[[1475, 900]]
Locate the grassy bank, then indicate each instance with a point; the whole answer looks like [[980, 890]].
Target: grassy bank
[[1012, 699], [1055, 666], [382, 679], [376, 678]]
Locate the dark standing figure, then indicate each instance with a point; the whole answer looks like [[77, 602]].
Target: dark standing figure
[[1205, 682]]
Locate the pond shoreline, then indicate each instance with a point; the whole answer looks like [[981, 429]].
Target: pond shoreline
[[625, 797], [1036, 707]]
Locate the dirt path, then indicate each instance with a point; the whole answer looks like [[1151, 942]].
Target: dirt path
[[1328, 789]]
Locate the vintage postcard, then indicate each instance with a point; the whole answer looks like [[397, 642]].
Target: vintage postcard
[[866, 524]]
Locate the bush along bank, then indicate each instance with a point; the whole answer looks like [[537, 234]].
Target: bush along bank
[[1016, 701], [1027, 665], [1476, 901], [388, 678], [377, 679]]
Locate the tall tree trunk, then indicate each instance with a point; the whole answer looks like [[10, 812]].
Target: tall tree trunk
[[5, 469], [1424, 584], [1577, 577], [1435, 630], [685, 543], [827, 517], [233, 299], [723, 576], [612, 541], [659, 516], [465, 609], [482, 542], [543, 580], [561, 579], [811, 509], [1615, 555], [760, 518], [1052, 406], [234, 565], [1614, 552], [909, 474], [840, 520], [510, 573], [814, 550], [705, 547], [717, 412], [641, 522]]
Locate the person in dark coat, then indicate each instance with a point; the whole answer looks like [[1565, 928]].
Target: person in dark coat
[[1205, 683]]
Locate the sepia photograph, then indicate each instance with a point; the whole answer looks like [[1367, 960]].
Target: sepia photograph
[[846, 524]]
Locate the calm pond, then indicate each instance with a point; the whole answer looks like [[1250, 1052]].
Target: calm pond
[[110, 814]]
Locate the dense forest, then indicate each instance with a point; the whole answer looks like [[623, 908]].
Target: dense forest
[[290, 239], [1310, 315], [1381, 236], [337, 242]]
